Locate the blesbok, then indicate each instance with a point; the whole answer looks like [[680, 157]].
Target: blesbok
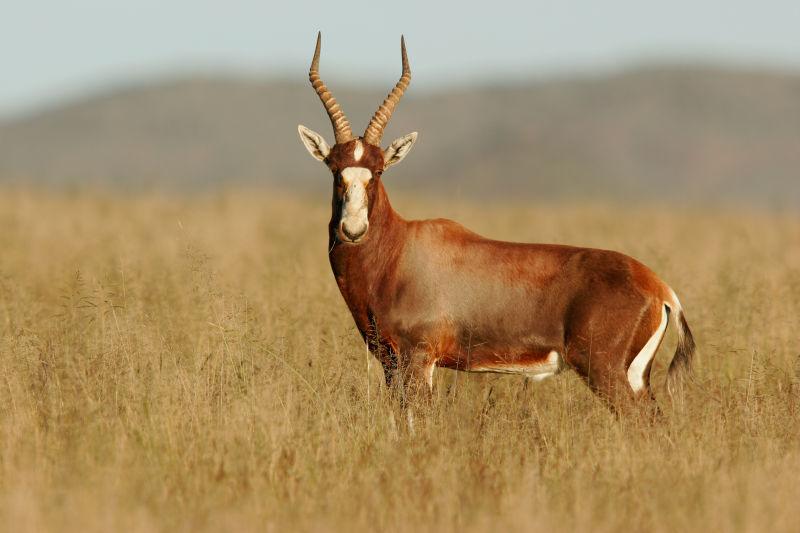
[[428, 293]]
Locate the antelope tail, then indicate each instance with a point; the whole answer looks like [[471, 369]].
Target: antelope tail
[[681, 365]]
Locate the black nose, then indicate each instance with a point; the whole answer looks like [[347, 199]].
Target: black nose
[[353, 236]]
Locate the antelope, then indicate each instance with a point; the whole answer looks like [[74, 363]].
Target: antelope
[[431, 293]]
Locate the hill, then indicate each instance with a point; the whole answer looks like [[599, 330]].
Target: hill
[[684, 134]]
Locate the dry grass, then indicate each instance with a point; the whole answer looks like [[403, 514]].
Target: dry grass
[[188, 364]]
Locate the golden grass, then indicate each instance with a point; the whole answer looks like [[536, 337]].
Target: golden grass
[[173, 364]]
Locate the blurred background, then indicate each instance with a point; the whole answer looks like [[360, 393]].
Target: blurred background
[[685, 102]]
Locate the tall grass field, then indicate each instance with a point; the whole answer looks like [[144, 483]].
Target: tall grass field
[[186, 363]]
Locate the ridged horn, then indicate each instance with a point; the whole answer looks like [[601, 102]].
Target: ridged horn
[[381, 117], [341, 127]]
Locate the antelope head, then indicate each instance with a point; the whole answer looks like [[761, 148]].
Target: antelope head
[[356, 163]]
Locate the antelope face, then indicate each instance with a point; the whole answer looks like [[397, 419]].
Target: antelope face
[[356, 163], [356, 167]]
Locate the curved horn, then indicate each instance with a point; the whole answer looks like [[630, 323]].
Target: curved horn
[[341, 127], [381, 117]]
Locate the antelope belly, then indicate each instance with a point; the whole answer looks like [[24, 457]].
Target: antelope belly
[[536, 370]]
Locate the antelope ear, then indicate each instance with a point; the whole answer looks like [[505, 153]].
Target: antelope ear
[[314, 143], [398, 149]]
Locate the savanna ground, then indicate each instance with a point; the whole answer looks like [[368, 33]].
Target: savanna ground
[[187, 364]]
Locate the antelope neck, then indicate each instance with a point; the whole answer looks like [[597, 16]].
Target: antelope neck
[[370, 256]]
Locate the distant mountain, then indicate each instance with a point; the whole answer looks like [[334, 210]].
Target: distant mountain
[[694, 135]]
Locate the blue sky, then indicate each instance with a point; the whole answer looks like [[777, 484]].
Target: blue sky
[[51, 50]]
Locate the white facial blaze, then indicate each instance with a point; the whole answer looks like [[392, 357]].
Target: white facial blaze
[[354, 207], [358, 151]]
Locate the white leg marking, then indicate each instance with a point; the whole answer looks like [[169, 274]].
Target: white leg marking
[[429, 375], [410, 420], [639, 364]]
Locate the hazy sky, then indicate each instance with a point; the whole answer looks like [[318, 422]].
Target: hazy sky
[[57, 49]]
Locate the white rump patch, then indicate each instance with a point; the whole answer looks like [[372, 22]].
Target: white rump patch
[[639, 364], [535, 371], [358, 151]]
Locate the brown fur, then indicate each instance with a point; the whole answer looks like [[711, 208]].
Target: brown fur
[[432, 292]]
